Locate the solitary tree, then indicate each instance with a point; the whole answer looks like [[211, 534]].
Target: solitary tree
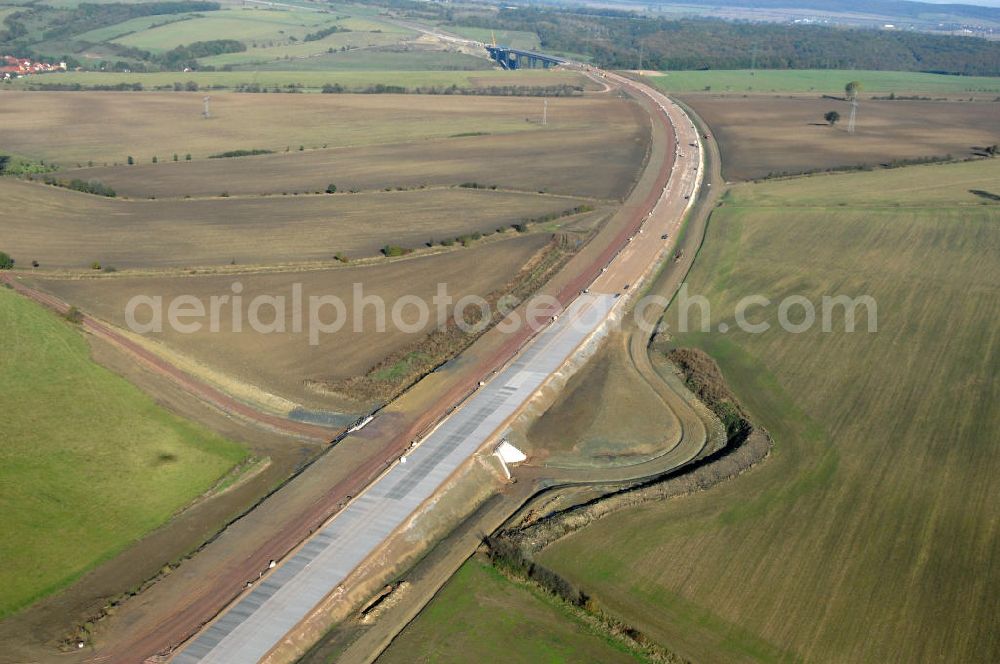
[[852, 89], [131, 160], [832, 117], [331, 189], [6, 262]]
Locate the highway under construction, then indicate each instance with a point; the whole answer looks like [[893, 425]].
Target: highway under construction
[[271, 609], [258, 621]]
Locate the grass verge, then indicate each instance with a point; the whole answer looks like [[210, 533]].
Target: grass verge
[[88, 463], [869, 534]]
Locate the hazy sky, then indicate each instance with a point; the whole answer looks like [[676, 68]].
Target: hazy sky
[[982, 3]]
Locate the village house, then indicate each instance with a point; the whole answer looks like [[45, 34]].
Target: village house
[[13, 67]]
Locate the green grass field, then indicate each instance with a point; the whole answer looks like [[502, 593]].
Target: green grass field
[[939, 187], [369, 23], [88, 463], [64, 3], [871, 533], [824, 80], [239, 24], [512, 38], [129, 27], [285, 52], [480, 616], [311, 80], [396, 59], [269, 34]]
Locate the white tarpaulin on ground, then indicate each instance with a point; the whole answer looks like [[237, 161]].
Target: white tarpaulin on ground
[[509, 453]]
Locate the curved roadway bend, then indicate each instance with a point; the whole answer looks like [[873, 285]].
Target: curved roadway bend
[[261, 617], [152, 632], [628, 262]]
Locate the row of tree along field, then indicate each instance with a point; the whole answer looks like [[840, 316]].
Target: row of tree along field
[[626, 40]]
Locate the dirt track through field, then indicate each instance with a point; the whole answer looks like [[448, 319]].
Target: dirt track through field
[[203, 391]]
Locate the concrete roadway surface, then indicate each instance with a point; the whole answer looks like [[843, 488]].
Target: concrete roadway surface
[[261, 617]]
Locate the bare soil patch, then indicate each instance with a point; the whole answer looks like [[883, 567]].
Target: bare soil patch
[[403, 366], [285, 363], [760, 135], [606, 415], [66, 229], [109, 127], [600, 162]]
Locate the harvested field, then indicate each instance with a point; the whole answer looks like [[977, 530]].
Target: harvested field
[[482, 616], [283, 362], [107, 128], [606, 415], [871, 532], [409, 56], [764, 135], [88, 463], [65, 229], [761, 135], [824, 80], [274, 75], [595, 162]]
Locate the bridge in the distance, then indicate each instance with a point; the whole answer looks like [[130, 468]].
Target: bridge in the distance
[[515, 58]]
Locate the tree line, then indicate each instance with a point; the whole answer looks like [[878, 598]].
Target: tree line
[[617, 40], [36, 23]]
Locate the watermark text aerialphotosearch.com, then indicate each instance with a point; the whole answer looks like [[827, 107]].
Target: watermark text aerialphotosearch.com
[[315, 315]]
